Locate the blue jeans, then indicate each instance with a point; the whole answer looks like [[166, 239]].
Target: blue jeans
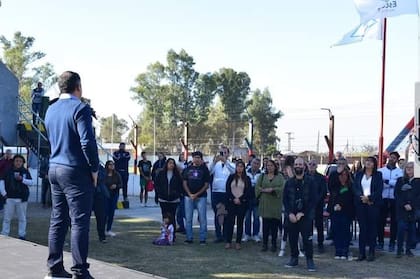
[[252, 212], [216, 198], [410, 228], [201, 205], [340, 223], [110, 209], [72, 199]]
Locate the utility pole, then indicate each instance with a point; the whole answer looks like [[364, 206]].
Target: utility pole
[[134, 143], [317, 144], [289, 140]]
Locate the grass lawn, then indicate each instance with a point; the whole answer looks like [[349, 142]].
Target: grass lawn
[[132, 248]]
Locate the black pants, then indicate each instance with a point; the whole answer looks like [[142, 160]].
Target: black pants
[[235, 212], [270, 227], [124, 178], [304, 227], [367, 216], [387, 209], [99, 210], [45, 192], [319, 223]]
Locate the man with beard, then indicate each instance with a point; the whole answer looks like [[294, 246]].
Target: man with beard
[[299, 200]]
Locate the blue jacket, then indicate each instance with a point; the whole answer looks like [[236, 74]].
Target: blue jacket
[[376, 188], [69, 127]]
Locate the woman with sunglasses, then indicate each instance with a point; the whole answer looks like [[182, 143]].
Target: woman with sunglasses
[[367, 190]]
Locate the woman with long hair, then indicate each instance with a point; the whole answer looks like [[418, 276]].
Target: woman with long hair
[[238, 192], [407, 199], [168, 187], [113, 183], [269, 191], [367, 190], [341, 208]]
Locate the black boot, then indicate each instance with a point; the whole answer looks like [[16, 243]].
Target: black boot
[[264, 248], [371, 256], [310, 264], [292, 262]]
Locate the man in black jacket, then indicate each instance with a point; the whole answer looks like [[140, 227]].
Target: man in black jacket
[[321, 191], [299, 200]]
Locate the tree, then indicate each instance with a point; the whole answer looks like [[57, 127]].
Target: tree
[[265, 116], [112, 128], [18, 56], [233, 95]]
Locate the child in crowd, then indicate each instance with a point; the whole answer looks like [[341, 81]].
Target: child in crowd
[[167, 232]]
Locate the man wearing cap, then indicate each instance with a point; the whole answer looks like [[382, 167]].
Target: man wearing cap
[[390, 175], [196, 180]]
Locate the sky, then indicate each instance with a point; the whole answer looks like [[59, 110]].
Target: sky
[[282, 45]]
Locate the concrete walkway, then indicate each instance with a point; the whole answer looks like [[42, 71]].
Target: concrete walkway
[[25, 260]]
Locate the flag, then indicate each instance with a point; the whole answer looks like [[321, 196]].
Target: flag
[[371, 29], [375, 9]]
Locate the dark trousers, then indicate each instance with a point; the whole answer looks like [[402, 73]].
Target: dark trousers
[[303, 227], [235, 212], [169, 208], [124, 178], [100, 214], [367, 216], [111, 205], [319, 223], [36, 109], [341, 223], [387, 209], [403, 228], [269, 228], [45, 191], [180, 214], [216, 198], [72, 198]]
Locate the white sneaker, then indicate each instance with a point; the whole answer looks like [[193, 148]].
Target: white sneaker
[[110, 233], [301, 254], [256, 238], [281, 253], [246, 238], [337, 257]]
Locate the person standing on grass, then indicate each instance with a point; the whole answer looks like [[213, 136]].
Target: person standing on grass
[[221, 168], [407, 201], [321, 191], [252, 217], [168, 187], [238, 193], [390, 174], [299, 199], [113, 183], [341, 208], [73, 174], [367, 190], [269, 191], [145, 169], [196, 180]]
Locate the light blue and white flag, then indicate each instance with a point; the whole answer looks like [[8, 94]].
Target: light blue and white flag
[[376, 9], [371, 29]]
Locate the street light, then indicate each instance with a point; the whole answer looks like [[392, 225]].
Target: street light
[[330, 139]]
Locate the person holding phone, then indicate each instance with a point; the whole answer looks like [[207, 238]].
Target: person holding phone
[[220, 169]]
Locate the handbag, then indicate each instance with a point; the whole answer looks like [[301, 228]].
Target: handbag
[[149, 186]]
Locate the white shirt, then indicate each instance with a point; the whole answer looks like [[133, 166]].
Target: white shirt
[[366, 182], [221, 172]]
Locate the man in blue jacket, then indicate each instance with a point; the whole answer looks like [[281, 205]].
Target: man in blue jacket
[[73, 175]]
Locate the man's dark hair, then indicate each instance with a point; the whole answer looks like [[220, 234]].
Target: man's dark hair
[[68, 82], [395, 153], [142, 153]]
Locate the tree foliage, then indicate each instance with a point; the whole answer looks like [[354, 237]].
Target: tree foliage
[[265, 117], [112, 128], [213, 104], [18, 56]]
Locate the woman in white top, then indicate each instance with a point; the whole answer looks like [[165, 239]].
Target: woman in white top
[[367, 189]]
